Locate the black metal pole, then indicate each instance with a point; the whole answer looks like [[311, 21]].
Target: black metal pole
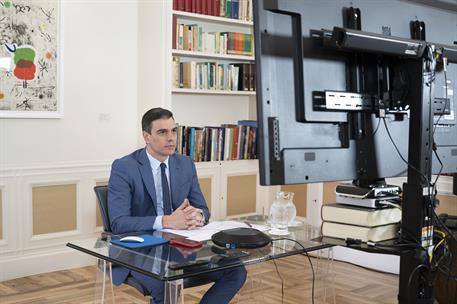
[[414, 264]]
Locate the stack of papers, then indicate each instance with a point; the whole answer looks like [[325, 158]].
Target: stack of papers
[[204, 233]]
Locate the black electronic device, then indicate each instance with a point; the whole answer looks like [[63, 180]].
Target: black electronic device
[[241, 238], [352, 190]]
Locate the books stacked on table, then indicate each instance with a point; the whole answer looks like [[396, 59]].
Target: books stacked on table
[[366, 224]]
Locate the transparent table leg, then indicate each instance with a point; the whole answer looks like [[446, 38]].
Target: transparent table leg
[[325, 291], [324, 265], [174, 292], [104, 291]]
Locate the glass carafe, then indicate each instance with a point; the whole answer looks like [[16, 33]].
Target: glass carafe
[[282, 213]]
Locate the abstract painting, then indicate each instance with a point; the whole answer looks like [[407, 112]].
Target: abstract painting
[[29, 59]]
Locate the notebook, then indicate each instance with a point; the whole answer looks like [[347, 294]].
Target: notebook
[[149, 240]]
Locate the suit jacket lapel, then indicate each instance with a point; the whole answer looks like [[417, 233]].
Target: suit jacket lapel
[[146, 175], [174, 181]]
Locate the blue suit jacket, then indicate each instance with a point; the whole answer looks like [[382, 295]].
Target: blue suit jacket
[[132, 195]]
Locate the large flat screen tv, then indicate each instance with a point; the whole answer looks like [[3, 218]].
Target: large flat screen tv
[[334, 88]]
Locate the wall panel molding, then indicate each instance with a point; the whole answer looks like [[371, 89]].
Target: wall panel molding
[[54, 167], [18, 243]]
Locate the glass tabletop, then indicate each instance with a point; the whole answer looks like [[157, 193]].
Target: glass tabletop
[[160, 261]]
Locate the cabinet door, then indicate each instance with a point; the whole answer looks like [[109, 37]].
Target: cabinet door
[[208, 177], [241, 193]]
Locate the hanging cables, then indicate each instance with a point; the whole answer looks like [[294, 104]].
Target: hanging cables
[[446, 100], [399, 153], [310, 263]]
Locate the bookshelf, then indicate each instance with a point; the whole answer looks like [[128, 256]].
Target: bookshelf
[[221, 20], [183, 53], [198, 105], [221, 181], [215, 92]]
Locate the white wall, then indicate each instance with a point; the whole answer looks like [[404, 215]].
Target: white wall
[[100, 79], [100, 123]]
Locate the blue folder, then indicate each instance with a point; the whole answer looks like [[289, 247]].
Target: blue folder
[[149, 240]]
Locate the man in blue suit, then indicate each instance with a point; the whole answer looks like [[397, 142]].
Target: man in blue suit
[[154, 188]]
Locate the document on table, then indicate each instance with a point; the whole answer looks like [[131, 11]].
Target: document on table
[[204, 233]]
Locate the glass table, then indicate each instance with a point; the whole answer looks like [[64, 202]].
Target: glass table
[[156, 261]]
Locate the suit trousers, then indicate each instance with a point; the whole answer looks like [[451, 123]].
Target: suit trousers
[[227, 283]]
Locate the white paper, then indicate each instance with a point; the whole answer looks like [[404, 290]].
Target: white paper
[[204, 233]]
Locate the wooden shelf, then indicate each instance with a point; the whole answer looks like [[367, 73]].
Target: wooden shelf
[[212, 55], [212, 18], [212, 92]]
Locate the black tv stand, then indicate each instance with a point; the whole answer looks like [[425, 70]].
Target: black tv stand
[[418, 209]]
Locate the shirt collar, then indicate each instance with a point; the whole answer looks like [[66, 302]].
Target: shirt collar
[[155, 164]]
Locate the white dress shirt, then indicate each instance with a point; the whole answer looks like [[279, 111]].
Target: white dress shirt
[[155, 167]]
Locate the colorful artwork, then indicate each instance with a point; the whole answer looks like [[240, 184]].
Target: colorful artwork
[[29, 58]]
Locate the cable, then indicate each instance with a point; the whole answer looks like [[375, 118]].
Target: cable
[[399, 153], [312, 269], [444, 226], [434, 249], [446, 96], [277, 271], [282, 281], [387, 203], [414, 271], [309, 259], [377, 127], [437, 122], [401, 245], [446, 253]]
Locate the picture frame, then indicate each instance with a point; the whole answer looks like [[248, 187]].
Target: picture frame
[[31, 48]]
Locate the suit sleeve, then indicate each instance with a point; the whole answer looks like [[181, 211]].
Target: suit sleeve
[[120, 199], [196, 197]]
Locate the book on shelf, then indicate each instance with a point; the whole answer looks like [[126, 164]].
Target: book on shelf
[[252, 77], [225, 142], [246, 76], [233, 9], [360, 216], [211, 75], [192, 37], [374, 234]]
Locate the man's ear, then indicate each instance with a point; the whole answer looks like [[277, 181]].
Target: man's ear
[[146, 136]]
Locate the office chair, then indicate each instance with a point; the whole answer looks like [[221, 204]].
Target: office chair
[[102, 197]]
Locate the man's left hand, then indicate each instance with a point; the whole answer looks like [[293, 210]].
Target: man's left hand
[[194, 217]]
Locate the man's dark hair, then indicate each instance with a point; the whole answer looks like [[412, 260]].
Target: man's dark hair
[[154, 114]]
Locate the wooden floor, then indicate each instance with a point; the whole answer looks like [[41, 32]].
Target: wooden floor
[[337, 282]]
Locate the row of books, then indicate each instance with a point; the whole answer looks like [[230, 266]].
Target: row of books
[[213, 75], [365, 224], [226, 142], [191, 37], [234, 9]]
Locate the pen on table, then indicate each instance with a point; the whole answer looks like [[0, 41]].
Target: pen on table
[[248, 224]]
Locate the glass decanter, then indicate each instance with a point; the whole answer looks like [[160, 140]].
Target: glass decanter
[[282, 213]]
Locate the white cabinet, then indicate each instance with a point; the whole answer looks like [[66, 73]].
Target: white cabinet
[[232, 188]]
